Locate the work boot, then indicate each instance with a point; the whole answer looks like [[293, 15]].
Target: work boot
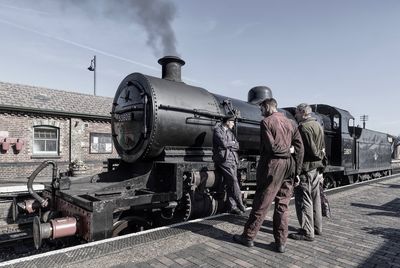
[[281, 248], [301, 237], [242, 208], [317, 232], [235, 211], [242, 240], [326, 210]]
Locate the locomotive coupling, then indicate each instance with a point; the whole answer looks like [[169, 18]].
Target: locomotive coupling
[[56, 228]]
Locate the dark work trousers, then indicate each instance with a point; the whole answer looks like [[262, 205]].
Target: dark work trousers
[[276, 186], [308, 203], [229, 173]]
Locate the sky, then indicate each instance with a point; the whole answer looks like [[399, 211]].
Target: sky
[[344, 53]]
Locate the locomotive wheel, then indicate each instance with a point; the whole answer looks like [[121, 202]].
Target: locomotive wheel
[[184, 209], [329, 182], [188, 207], [129, 225]]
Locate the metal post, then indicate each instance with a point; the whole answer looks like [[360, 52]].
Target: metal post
[[94, 63], [364, 118], [92, 68]]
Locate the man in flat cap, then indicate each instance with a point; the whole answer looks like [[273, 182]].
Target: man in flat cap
[[226, 159], [307, 194]]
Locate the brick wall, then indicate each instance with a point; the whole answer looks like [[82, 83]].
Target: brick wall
[[17, 166]]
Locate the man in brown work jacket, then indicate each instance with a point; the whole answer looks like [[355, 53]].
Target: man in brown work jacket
[[276, 171]]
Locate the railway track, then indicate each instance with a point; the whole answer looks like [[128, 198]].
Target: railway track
[[16, 242], [15, 232], [16, 239]]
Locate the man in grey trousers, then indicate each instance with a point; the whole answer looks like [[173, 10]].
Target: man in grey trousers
[[226, 159], [307, 193]]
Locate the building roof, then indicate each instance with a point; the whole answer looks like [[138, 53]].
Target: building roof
[[16, 97]]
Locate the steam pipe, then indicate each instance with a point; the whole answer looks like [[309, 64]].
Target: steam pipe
[[43, 202]]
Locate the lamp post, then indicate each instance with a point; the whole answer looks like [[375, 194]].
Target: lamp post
[[92, 68]]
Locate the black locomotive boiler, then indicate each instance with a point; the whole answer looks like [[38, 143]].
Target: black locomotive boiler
[[162, 129]]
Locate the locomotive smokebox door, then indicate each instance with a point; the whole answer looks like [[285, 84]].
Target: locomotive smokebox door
[[130, 117]]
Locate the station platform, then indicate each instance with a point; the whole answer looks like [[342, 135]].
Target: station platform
[[364, 231]]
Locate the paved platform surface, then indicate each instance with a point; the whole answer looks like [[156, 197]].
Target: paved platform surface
[[363, 232]]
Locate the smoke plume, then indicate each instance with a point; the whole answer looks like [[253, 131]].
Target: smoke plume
[[155, 16]]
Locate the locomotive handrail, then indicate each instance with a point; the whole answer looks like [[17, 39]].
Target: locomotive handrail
[[132, 109], [206, 114], [248, 121], [144, 132], [194, 111], [198, 121]]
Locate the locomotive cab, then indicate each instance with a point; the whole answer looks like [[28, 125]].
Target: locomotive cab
[[338, 140], [353, 152]]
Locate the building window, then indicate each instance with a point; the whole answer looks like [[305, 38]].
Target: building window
[[45, 140], [100, 143]]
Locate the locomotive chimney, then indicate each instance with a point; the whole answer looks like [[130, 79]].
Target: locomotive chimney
[[171, 68]]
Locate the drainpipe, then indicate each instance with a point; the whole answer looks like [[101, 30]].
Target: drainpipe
[[70, 140]]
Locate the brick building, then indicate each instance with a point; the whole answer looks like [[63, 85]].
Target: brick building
[[38, 124]]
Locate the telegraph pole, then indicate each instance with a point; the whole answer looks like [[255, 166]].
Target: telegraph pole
[[363, 119]]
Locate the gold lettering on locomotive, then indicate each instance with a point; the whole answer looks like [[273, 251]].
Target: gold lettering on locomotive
[[123, 117], [346, 151]]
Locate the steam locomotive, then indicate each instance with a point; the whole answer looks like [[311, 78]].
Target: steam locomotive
[[162, 130]]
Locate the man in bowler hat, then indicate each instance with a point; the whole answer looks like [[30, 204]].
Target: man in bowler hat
[[226, 159]]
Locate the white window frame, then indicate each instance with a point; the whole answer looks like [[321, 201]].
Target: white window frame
[[57, 139], [92, 147]]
